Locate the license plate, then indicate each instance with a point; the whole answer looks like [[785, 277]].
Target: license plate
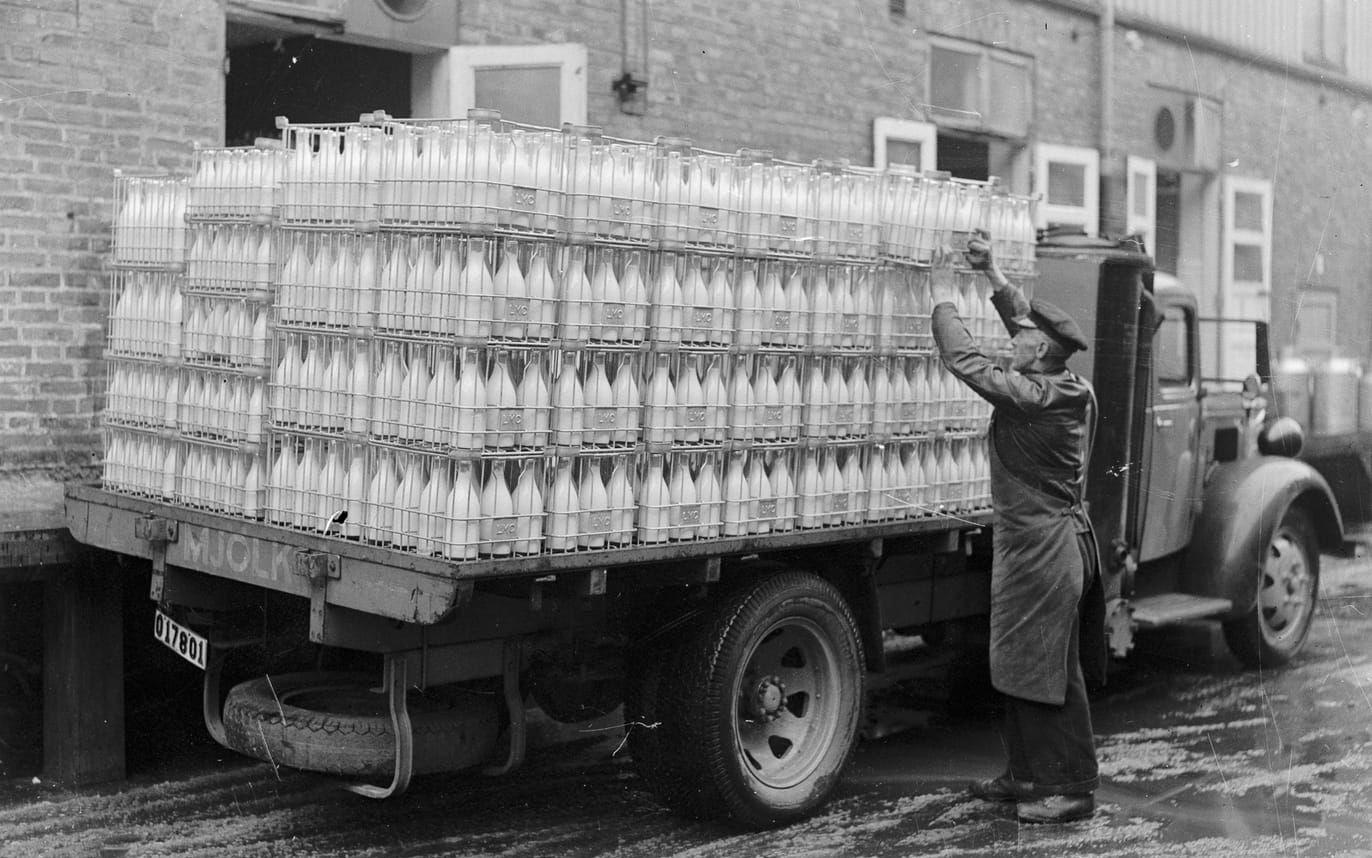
[[180, 640]]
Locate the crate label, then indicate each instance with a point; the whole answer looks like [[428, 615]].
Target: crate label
[[597, 522], [709, 216], [511, 418], [773, 415], [621, 209], [518, 309], [504, 528], [767, 508], [524, 198], [702, 317], [607, 418], [852, 323], [613, 313], [787, 226], [840, 503], [690, 515], [844, 414], [781, 320], [695, 416], [909, 411], [856, 231]]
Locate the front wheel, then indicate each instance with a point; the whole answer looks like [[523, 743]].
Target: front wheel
[[1276, 627], [761, 711]]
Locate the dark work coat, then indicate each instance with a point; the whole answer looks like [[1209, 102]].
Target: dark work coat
[[1045, 558]]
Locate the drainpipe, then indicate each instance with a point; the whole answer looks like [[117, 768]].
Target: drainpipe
[[1108, 171]]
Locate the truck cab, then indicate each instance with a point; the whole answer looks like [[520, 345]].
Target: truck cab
[[1196, 513]]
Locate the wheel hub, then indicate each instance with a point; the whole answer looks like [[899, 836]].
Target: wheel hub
[[769, 698]]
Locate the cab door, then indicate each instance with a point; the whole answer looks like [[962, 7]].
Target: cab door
[[1172, 428]]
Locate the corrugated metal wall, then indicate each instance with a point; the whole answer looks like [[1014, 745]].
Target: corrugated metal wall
[[1270, 27]]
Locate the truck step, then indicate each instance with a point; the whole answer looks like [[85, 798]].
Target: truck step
[[1167, 608]]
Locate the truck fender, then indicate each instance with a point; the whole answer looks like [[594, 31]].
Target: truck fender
[[1243, 503]]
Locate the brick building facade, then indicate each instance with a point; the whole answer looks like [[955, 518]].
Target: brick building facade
[[106, 84], [85, 89]]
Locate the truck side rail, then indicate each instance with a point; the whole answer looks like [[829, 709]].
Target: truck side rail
[[402, 585]]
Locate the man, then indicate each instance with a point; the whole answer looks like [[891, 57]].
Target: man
[[1045, 568]]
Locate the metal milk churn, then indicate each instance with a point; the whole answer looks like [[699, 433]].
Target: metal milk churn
[[1336, 397], [1291, 387]]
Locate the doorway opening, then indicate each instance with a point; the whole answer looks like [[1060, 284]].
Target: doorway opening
[[306, 79]]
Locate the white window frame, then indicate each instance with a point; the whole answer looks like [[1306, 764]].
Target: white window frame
[[978, 119], [1142, 224], [445, 85], [1319, 344], [1088, 214], [886, 128], [1232, 236]]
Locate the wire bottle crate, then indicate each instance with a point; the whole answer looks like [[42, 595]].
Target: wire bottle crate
[[699, 197], [230, 258], [145, 317], [845, 205], [150, 221], [329, 174], [237, 183]]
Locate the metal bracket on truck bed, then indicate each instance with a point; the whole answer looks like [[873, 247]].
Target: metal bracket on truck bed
[[159, 533], [514, 703], [319, 569], [396, 685]]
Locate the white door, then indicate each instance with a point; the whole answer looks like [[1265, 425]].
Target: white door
[[1245, 267], [1141, 199]]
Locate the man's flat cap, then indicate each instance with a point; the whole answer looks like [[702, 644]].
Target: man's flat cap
[[1055, 323]]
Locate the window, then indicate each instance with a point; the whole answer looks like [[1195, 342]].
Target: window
[[533, 84], [904, 141], [1142, 200], [1067, 180], [1246, 263], [977, 88], [1324, 25], [1172, 350], [1317, 323]]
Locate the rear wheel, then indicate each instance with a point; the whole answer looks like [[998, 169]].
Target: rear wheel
[[1276, 627], [758, 711]]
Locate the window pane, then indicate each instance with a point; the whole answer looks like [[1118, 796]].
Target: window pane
[[1248, 263], [1248, 211], [1008, 108], [953, 80], [1066, 184], [903, 152], [528, 94], [1316, 323], [1171, 348], [1143, 193]]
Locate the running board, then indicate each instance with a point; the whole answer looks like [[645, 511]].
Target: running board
[[1165, 609]]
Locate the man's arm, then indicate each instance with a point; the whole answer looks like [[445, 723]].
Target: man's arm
[[1009, 390]]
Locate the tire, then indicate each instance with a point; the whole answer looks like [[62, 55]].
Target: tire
[[760, 708], [1276, 627], [340, 724]]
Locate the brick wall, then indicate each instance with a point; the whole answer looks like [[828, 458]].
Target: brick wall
[[85, 88]]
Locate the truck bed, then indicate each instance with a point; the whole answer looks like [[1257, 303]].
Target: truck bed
[[398, 584]]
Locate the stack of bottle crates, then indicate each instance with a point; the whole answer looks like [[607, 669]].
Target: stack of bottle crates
[[143, 346], [471, 338]]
